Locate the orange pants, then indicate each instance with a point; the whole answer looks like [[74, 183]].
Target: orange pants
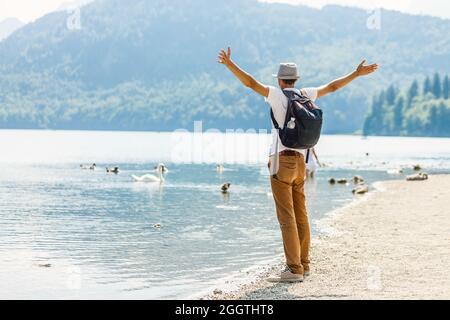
[[288, 192]]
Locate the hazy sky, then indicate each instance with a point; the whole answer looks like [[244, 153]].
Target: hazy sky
[[29, 10]]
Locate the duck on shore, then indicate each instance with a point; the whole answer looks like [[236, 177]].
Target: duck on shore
[[358, 179], [361, 189]]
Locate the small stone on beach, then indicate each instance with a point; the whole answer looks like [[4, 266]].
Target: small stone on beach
[[331, 181], [218, 291]]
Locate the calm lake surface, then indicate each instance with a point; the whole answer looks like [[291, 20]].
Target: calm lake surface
[[67, 233]]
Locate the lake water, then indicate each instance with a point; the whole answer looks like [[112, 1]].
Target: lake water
[[67, 233]]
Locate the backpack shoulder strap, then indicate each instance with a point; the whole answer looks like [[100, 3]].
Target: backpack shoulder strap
[[295, 96], [289, 94], [292, 96], [275, 123]]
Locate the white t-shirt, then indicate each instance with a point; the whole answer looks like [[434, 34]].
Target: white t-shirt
[[279, 103]]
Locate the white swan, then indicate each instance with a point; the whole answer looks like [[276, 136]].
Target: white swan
[[150, 178], [161, 167]]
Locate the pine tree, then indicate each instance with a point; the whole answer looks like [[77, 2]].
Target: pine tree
[[374, 118], [433, 122], [427, 86], [398, 114], [437, 88], [413, 92], [391, 94], [368, 122], [446, 88], [381, 98], [440, 122]]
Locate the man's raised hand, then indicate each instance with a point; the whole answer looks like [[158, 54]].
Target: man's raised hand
[[245, 78], [363, 70], [224, 57]]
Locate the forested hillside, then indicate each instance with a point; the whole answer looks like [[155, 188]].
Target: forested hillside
[[419, 111], [151, 64]]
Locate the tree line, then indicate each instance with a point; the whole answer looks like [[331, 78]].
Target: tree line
[[420, 110]]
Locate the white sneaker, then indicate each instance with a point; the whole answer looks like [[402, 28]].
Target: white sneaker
[[287, 277]]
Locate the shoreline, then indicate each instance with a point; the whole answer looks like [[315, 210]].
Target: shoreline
[[369, 249]]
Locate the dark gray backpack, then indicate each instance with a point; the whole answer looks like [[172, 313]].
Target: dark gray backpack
[[303, 123]]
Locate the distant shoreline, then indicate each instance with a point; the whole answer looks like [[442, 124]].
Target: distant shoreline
[[371, 251], [206, 129]]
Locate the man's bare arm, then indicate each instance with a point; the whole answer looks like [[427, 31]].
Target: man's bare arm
[[337, 84], [246, 79]]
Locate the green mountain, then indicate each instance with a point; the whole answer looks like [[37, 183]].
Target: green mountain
[[419, 111], [151, 64]]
